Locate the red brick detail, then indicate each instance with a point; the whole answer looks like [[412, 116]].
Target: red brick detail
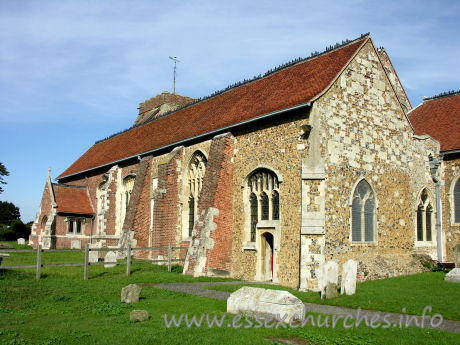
[[163, 98], [135, 204], [216, 193], [165, 213], [290, 86], [43, 216]]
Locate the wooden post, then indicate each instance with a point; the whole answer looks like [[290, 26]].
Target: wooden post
[[169, 257], [128, 260], [39, 262], [85, 272]]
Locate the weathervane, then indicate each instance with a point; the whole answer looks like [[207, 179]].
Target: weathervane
[[174, 82]]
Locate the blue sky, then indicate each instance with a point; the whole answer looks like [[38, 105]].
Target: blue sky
[[73, 72]]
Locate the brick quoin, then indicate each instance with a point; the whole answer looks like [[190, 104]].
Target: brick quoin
[[134, 202], [141, 225], [165, 213], [215, 194]]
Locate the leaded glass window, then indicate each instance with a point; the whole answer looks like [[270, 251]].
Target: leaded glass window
[[424, 217], [254, 215], [276, 205], [195, 176], [456, 198], [264, 198], [363, 213]]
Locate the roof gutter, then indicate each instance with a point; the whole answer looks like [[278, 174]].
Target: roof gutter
[[184, 141], [443, 153]]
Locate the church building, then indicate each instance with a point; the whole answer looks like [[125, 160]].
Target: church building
[[266, 180]]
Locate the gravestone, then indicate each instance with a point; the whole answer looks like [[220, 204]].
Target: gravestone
[[264, 301], [457, 255], [329, 274], [139, 315], [331, 291], [349, 271], [75, 244], [131, 293], [93, 256], [110, 257], [21, 241], [453, 276]]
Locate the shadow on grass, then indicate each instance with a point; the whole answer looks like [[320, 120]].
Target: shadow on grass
[[98, 275]]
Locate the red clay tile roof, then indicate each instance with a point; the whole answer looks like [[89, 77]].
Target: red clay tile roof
[[294, 85], [439, 117], [72, 199]]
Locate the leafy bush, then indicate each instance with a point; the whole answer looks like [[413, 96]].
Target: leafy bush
[[6, 234]]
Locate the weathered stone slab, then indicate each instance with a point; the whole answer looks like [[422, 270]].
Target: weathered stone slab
[[93, 256], [75, 244], [110, 257], [453, 276], [457, 255], [131, 293], [329, 274], [21, 241], [349, 271], [139, 315], [264, 301], [331, 291]]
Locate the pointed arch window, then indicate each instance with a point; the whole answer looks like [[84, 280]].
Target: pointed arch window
[[424, 217], [363, 213], [195, 176], [264, 199], [456, 201]]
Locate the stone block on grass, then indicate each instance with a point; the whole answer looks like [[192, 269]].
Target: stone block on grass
[[131, 293], [453, 276], [257, 301], [139, 315]]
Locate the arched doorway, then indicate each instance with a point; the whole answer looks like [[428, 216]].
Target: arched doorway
[[267, 256]]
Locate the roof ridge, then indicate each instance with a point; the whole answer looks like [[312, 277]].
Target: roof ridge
[[68, 185], [442, 95], [281, 67]]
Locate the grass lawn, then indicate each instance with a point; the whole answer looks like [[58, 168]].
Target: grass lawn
[[413, 292], [61, 308]]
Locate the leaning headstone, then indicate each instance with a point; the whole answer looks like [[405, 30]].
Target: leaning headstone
[[329, 274], [457, 255], [21, 241], [264, 301], [331, 291], [139, 315], [349, 271], [131, 293], [453, 276], [110, 257], [75, 244]]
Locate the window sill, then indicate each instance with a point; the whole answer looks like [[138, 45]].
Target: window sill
[[420, 244], [362, 244], [249, 246]]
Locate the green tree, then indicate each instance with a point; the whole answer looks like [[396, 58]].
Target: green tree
[[3, 172], [8, 212], [20, 229]]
